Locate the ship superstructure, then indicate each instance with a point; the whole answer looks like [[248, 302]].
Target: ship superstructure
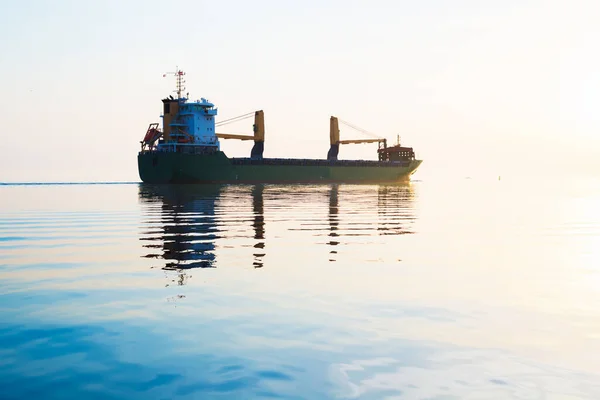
[[189, 127]]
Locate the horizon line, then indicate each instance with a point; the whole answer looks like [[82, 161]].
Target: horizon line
[[70, 183]]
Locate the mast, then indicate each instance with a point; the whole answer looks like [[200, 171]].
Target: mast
[[179, 74], [180, 83]]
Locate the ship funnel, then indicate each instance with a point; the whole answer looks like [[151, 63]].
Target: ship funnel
[[170, 112], [334, 138]]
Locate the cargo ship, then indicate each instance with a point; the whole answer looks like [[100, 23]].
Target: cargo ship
[[187, 150]]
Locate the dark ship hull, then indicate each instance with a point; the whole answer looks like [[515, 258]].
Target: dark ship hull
[[172, 167]]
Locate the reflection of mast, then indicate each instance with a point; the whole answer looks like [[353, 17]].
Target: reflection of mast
[[258, 224], [186, 230], [333, 217]]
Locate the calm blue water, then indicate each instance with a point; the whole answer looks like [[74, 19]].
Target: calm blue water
[[433, 290]]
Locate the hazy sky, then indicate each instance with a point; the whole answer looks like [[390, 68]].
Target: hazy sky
[[476, 87]]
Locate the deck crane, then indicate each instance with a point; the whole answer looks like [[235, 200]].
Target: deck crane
[[334, 138], [258, 128]]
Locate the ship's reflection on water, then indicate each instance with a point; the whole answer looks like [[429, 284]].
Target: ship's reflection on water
[[181, 227], [258, 224], [333, 219], [187, 226]]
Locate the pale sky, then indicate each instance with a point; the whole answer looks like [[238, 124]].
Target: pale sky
[[476, 87]]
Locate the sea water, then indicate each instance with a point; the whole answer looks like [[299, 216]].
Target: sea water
[[464, 289]]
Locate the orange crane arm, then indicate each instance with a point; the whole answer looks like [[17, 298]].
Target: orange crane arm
[[234, 136]]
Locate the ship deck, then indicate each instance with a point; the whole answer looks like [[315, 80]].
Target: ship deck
[[318, 162]]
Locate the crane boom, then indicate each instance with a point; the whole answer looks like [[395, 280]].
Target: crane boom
[[356, 141], [234, 136]]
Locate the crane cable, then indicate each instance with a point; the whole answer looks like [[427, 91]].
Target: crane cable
[[235, 119], [366, 132]]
